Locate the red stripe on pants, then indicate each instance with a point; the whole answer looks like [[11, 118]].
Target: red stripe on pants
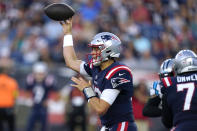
[[126, 126], [119, 126]]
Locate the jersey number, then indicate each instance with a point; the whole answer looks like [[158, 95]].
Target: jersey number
[[190, 87], [39, 93]]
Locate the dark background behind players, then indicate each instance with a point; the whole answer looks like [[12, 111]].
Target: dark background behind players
[[166, 26]]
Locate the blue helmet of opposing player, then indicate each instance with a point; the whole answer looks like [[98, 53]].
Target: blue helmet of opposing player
[[166, 68], [185, 61], [109, 45]]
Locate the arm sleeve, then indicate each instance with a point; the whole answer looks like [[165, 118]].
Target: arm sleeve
[[167, 117], [151, 108]]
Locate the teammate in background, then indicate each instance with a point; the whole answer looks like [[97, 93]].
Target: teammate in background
[[112, 83], [8, 94], [179, 101], [40, 83], [153, 106]]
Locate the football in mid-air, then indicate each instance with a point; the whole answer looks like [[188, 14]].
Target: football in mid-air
[[59, 11]]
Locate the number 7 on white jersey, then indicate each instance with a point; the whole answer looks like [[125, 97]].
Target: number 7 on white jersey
[[190, 91]]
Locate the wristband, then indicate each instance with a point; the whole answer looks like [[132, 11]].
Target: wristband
[[68, 40], [89, 93]]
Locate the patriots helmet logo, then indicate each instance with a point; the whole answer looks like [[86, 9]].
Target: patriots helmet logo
[[117, 81], [108, 37]]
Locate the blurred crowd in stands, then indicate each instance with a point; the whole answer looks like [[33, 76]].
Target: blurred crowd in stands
[[150, 30]]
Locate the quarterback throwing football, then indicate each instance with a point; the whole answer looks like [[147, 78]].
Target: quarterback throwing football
[[112, 83]]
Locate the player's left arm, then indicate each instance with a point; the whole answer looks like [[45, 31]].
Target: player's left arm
[[115, 84], [99, 105]]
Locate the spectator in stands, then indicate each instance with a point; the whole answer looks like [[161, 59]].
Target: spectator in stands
[[90, 10], [141, 44]]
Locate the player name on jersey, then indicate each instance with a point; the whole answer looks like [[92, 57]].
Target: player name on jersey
[[187, 78]]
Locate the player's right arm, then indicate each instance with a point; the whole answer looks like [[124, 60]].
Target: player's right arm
[[68, 50]]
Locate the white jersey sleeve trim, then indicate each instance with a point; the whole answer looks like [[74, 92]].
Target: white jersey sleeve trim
[[82, 69], [115, 69], [109, 95]]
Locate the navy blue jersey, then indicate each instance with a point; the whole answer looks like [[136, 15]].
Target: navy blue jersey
[[116, 76], [181, 97], [40, 90]]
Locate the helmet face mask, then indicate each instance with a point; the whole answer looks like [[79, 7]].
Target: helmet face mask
[[109, 46], [95, 56], [185, 61]]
